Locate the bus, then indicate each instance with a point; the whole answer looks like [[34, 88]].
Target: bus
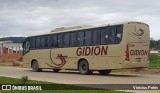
[[103, 48]]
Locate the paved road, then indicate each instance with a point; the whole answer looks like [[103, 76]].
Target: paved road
[[73, 77]]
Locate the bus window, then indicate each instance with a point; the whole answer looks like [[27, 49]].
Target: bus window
[[49, 41], [43, 41], [112, 33], [96, 36], [106, 35], [60, 40], [73, 39], [26, 46], [46, 41], [80, 38], [119, 34], [38, 42], [32, 42], [88, 37], [66, 39], [54, 41]]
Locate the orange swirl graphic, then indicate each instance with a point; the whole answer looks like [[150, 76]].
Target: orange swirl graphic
[[59, 56], [140, 32]]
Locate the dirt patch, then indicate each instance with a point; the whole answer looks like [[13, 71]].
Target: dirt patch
[[146, 71], [5, 64], [153, 71]]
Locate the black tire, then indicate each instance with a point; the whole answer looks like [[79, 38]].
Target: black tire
[[35, 67], [56, 70], [84, 68], [104, 72]]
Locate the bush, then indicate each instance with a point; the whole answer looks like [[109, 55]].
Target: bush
[[154, 61], [24, 79]]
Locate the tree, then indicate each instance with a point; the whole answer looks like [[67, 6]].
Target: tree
[[154, 43]]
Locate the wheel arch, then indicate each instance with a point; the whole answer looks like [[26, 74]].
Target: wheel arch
[[80, 61], [33, 61]]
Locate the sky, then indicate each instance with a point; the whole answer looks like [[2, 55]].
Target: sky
[[32, 17]]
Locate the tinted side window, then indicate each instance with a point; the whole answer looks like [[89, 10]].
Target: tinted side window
[[113, 31], [80, 38], [96, 36], [60, 40], [32, 42], [119, 34], [88, 37], [43, 41], [49, 41], [66, 39], [108, 35], [26, 46], [72, 38], [46, 41], [38, 42], [105, 35], [54, 40]]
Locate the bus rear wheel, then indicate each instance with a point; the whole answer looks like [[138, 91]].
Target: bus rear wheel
[[104, 72], [83, 67], [35, 66], [56, 70]]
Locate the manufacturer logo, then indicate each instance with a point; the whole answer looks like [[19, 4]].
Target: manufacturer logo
[[61, 64], [138, 32]]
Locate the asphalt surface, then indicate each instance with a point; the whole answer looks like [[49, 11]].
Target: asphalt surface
[[73, 77]]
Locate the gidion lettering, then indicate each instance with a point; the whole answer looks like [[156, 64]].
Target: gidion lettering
[[138, 52], [90, 51]]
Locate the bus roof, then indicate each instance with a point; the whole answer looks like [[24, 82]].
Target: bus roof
[[83, 27]]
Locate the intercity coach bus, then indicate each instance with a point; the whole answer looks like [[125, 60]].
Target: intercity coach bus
[[89, 48]]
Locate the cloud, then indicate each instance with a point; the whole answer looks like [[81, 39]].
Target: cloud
[[31, 17]]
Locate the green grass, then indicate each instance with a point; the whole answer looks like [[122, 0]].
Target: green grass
[[5, 61], [62, 88], [154, 61]]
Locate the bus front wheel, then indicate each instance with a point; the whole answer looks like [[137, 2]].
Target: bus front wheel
[[104, 72], [35, 66], [83, 67]]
